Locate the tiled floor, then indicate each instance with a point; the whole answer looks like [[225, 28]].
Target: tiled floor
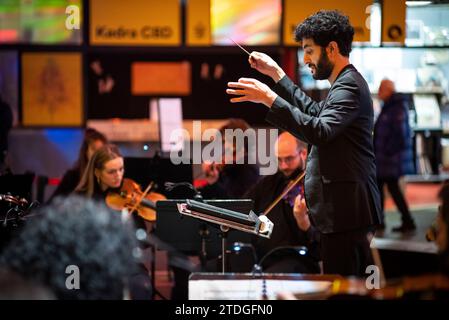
[[417, 195], [423, 203]]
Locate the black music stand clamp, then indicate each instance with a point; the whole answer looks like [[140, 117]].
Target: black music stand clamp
[[204, 235], [226, 219], [223, 234]]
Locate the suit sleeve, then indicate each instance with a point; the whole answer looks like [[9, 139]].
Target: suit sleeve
[[298, 115], [290, 92]]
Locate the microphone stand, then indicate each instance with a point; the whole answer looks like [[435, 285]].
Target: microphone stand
[[224, 234], [203, 230]]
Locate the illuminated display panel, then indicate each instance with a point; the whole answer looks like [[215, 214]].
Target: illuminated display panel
[[136, 22], [38, 22], [160, 78], [51, 89], [247, 22]]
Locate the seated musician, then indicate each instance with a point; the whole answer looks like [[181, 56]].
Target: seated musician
[[105, 173], [224, 181], [230, 181], [291, 223], [92, 141]]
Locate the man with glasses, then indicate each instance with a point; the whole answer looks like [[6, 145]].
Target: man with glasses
[[292, 227]]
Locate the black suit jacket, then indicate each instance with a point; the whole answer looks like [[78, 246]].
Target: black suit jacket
[[340, 184]]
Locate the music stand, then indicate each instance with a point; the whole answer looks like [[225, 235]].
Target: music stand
[[192, 236], [226, 219], [158, 170]]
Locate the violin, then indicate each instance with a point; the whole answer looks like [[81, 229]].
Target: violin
[[131, 197], [284, 194]]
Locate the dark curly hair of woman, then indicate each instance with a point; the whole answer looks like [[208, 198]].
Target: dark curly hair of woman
[[326, 26], [75, 231]]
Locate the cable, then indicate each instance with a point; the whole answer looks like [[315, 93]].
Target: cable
[[20, 212], [5, 221], [303, 251], [237, 246]]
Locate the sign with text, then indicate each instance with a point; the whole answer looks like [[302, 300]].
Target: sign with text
[[357, 10], [135, 22], [198, 23]]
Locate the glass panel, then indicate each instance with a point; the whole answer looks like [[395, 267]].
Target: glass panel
[[427, 25]]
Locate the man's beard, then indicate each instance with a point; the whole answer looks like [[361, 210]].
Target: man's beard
[[324, 68], [295, 172]]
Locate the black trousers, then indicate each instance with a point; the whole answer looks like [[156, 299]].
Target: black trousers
[[398, 198], [346, 253]]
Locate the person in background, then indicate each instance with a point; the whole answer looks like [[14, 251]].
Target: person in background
[[230, 181], [224, 181], [70, 234], [292, 225], [393, 149], [92, 141], [104, 172]]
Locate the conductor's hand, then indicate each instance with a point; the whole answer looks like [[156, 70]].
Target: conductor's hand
[[248, 89], [266, 65], [300, 213]]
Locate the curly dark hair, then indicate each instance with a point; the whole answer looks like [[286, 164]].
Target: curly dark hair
[[75, 231], [326, 26]]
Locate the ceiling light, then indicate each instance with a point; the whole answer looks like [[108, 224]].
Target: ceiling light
[[417, 3]]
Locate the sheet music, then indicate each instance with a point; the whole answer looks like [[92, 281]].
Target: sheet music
[[170, 123], [251, 289]]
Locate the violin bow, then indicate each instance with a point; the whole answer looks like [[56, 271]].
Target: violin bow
[[141, 197], [286, 190]]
